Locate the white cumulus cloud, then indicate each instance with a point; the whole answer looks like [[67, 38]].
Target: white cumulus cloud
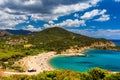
[[94, 13], [8, 21], [65, 9], [67, 23], [91, 14], [14, 12], [103, 18], [31, 28]]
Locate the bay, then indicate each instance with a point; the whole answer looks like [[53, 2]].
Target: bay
[[105, 59]]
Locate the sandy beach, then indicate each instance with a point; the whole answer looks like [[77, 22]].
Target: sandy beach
[[40, 62]]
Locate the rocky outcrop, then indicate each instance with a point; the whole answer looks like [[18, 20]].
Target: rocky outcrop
[[101, 44], [74, 50], [96, 44]]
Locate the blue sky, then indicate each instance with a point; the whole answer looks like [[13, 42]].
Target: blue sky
[[94, 18]]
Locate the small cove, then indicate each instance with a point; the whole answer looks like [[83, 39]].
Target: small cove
[[105, 59]]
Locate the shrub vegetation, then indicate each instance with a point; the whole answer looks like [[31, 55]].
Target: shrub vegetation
[[13, 47], [93, 74]]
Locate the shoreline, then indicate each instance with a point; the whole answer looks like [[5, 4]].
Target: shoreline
[[38, 63], [33, 62]]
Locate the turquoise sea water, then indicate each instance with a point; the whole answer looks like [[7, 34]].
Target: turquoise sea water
[[106, 59]]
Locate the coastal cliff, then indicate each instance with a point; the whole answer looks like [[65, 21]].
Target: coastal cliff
[[94, 45], [103, 44]]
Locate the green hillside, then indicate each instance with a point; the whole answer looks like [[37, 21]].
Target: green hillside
[[51, 39], [14, 47], [58, 39]]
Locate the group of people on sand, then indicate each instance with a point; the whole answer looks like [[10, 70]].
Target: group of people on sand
[[39, 63]]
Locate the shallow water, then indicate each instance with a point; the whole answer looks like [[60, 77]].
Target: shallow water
[[106, 59]]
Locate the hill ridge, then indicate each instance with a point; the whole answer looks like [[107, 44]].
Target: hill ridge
[[59, 39]]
